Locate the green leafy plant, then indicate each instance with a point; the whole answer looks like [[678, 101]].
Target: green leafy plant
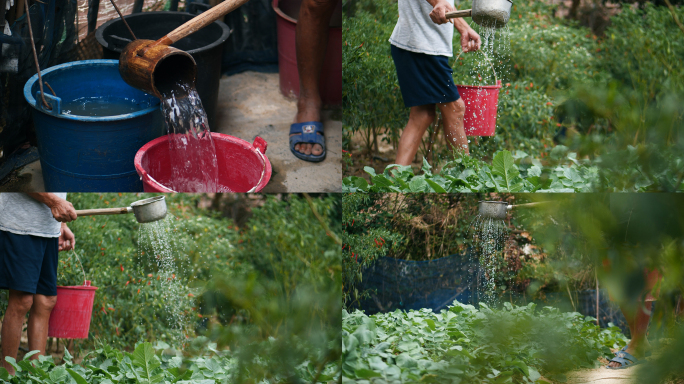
[[465, 345], [147, 364], [466, 174]]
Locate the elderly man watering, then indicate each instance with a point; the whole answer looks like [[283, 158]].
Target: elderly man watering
[[32, 231], [421, 47]]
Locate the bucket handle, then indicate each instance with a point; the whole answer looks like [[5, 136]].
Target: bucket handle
[[55, 103], [496, 79], [260, 146], [151, 180], [85, 281]]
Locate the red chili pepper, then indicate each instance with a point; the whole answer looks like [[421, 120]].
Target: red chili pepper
[[138, 290], [122, 268], [127, 283]]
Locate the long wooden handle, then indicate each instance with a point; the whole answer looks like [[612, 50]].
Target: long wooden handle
[[101, 211], [200, 21], [530, 204], [457, 14]]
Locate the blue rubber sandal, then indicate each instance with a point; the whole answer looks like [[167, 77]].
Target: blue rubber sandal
[[625, 359], [310, 132], [648, 353]]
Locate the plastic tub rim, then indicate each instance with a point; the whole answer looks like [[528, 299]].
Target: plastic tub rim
[[224, 35], [100, 62]]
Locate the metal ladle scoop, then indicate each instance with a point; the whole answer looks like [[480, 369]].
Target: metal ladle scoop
[[498, 209], [487, 13], [145, 210]]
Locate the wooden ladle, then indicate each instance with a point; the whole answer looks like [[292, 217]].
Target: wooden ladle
[[159, 69]]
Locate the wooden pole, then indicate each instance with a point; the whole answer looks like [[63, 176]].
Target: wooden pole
[[597, 297], [93, 9], [138, 6]]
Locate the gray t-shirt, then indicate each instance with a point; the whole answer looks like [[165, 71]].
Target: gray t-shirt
[[416, 32], [23, 215]]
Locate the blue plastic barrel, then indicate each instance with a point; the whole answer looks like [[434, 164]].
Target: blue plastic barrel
[[91, 153]]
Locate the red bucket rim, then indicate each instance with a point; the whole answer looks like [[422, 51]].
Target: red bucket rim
[[214, 135], [78, 287], [498, 86]]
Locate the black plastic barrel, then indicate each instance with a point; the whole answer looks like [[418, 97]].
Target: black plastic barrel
[[205, 46]]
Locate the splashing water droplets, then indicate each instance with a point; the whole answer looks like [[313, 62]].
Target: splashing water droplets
[[191, 149], [489, 236], [156, 240]]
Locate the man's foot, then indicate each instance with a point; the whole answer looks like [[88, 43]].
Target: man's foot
[[637, 351], [308, 132], [308, 111]]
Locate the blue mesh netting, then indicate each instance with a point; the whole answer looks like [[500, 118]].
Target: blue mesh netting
[[400, 284]]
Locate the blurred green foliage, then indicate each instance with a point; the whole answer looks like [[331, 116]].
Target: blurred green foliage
[[621, 236], [466, 345]]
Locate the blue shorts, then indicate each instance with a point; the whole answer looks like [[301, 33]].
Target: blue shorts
[[29, 263], [424, 79]]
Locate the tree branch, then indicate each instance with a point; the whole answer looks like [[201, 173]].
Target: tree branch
[[674, 15], [320, 220]]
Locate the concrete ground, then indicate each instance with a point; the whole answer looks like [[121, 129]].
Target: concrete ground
[[28, 178], [250, 105]]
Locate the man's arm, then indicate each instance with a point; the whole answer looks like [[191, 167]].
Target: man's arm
[[62, 210], [470, 40], [67, 240], [439, 10]]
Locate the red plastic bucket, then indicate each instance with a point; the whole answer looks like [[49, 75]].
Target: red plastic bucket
[[70, 318], [480, 108], [330, 84], [243, 167]]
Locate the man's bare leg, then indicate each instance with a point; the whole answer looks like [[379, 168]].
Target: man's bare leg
[[454, 131], [38, 322], [638, 327], [311, 43], [420, 118], [19, 304]]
